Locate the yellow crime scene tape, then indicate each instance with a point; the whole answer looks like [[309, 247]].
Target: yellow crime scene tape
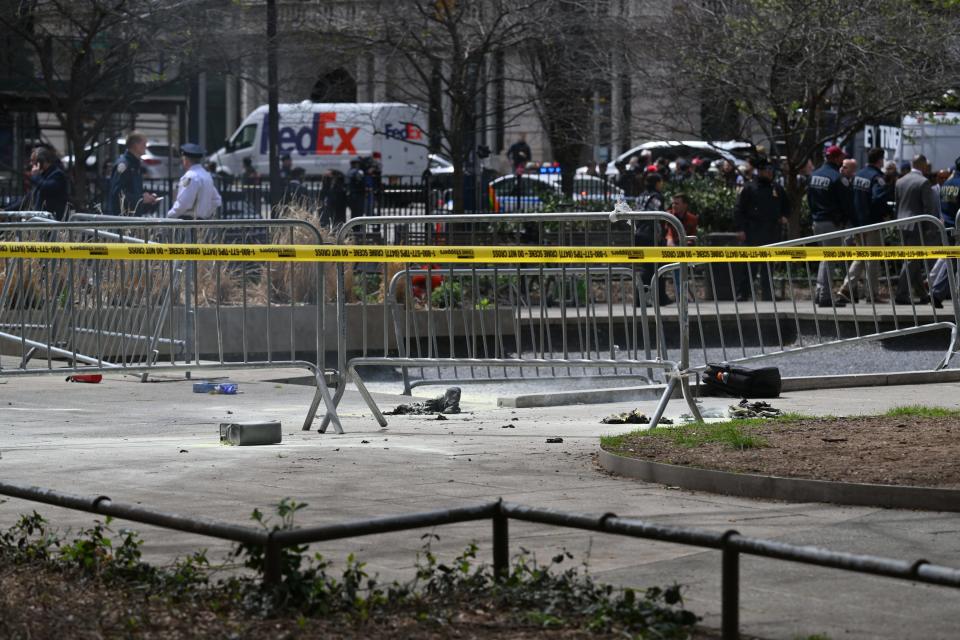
[[466, 254]]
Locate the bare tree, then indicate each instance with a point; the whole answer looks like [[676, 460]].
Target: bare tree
[[569, 65], [90, 60], [451, 56], [803, 73]]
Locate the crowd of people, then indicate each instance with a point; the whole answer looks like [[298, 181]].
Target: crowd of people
[[339, 191], [840, 195]]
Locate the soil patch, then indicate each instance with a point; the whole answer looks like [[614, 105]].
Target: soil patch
[[41, 602], [893, 450]]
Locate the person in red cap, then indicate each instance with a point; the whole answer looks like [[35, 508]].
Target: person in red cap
[[831, 201]]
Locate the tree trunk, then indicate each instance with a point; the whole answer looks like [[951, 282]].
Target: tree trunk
[[796, 194], [79, 196], [456, 151]]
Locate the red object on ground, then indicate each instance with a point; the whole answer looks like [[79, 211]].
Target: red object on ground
[[92, 378]]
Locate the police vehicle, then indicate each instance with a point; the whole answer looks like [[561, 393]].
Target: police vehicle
[[531, 192]]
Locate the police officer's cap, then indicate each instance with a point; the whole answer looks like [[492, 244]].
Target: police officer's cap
[[956, 164], [192, 150]]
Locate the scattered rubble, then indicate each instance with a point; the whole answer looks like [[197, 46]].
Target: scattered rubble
[[747, 409], [632, 417], [448, 403]]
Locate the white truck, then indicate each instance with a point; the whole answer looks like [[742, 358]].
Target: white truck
[[935, 135], [322, 136]]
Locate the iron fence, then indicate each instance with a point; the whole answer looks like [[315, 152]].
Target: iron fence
[[71, 316], [333, 199], [730, 543]]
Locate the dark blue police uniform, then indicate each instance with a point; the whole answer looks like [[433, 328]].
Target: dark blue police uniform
[[828, 195], [126, 186], [950, 199], [870, 197]]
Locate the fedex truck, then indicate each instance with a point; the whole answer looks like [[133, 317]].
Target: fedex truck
[[322, 136]]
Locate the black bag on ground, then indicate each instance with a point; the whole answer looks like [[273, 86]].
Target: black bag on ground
[[743, 382]]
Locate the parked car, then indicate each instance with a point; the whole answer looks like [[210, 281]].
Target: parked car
[[158, 163], [734, 151], [529, 193]]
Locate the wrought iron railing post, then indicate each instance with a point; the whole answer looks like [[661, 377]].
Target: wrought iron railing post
[[501, 544], [730, 590], [271, 562]]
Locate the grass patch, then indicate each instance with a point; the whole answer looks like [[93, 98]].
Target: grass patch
[[735, 434], [921, 411]]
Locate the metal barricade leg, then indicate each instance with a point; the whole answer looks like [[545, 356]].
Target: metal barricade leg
[[323, 393], [365, 393]]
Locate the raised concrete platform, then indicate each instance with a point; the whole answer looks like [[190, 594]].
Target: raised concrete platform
[[157, 444], [654, 391]]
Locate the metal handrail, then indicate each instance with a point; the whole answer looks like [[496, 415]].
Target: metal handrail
[[731, 543]]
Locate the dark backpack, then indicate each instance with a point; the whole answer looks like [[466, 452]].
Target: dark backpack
[[742, 382]]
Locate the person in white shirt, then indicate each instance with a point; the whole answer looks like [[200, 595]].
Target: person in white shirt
[[197, 197]]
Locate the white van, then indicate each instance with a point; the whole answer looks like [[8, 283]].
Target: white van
[[935, 135], [321, 136]]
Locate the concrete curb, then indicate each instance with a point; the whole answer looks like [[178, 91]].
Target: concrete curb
[[745, 485], [653, 392]]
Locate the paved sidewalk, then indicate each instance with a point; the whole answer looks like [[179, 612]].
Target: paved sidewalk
[[156, 444]]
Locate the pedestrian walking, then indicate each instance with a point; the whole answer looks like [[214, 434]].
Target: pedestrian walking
[[830, 203], [915, 197], [356, 188], [286, 167], [949, 209], [761, 211], [126, 196], [649, 234], [197, 197], [680, 207], [519, 153], [333, 199], [870, 206]]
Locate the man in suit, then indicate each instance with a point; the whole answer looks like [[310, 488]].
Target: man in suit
[[915, 197]]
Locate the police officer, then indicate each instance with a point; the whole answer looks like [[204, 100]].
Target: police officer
[[949, 208], [126, 195], [356, 188], [950, 196], [197, 197], [870, 206], [828, 195], [286, 167], [761, 211]]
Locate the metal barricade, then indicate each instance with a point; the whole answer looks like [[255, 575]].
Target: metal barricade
[[477, 320], [791, 320], [148, 316], [22, 216]]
